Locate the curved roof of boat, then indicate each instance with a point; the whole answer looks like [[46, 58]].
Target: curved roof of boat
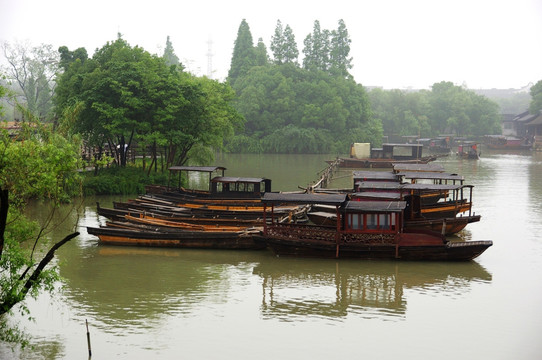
[[401, 167], [375, 175], [389, 185], [380, 206], [430, 175], [380, 195], [197, 168]]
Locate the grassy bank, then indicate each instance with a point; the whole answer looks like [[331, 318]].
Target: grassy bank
[[120, 181]]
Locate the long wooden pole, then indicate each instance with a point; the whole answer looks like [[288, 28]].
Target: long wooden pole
[[88, 341]]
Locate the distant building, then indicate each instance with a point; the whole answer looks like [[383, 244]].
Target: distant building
[[508, 125], [527, 124]]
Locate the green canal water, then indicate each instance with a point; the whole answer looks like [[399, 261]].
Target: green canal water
[[143, 303]]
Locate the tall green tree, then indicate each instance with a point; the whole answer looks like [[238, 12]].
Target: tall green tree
[[118, 89], [33, 69], [278, 42], [283, 45], [125, 94], [317, 49], [169, 54], [244, 56], [536, 98], [340, 60], [67, 57], [291, 53], [262, 57]]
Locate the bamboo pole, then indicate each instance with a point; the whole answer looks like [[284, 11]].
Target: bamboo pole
[[88, 341]]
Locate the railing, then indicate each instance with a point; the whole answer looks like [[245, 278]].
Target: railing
[[310, 233]]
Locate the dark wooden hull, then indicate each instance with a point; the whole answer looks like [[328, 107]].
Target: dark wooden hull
[[451, 251], [177, 239], [451, 225]]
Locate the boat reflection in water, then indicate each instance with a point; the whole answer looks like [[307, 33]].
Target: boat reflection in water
[[299, 289]]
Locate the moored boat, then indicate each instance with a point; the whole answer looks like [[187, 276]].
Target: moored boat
[[241, 240], [501, 142], [386, 156], [364, 230]]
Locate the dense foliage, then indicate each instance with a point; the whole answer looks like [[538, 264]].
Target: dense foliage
[[446, 109], [316, 108], [121, 181], [289, 109], [35, 163], [129, 97], [536, 94]]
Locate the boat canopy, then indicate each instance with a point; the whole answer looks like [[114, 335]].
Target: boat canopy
[[375, 175], [430, 176], [418, 167], [377, 195], [202, 169], [198, 168], [375, 206], [381, 185]]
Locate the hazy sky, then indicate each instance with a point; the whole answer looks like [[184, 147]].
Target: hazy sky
[[395, 43]]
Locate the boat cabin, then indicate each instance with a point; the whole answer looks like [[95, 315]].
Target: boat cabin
[[239, 187], [221, 186], [352, 216], [398, 152]]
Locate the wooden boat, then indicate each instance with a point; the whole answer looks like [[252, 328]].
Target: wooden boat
[[501, 142], [152, 221], [157, 204], [178, 239], [364, 230], [388, 155], [468, 150], [439, 145], [119, 214], [220, 187]]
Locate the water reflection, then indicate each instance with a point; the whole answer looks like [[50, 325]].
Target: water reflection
[[133, 288], [300, 289]]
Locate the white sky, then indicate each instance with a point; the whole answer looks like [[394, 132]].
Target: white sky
[[395, 43]]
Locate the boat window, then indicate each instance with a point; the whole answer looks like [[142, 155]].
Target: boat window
[[372, 221], [384, 221], [355, 221]]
